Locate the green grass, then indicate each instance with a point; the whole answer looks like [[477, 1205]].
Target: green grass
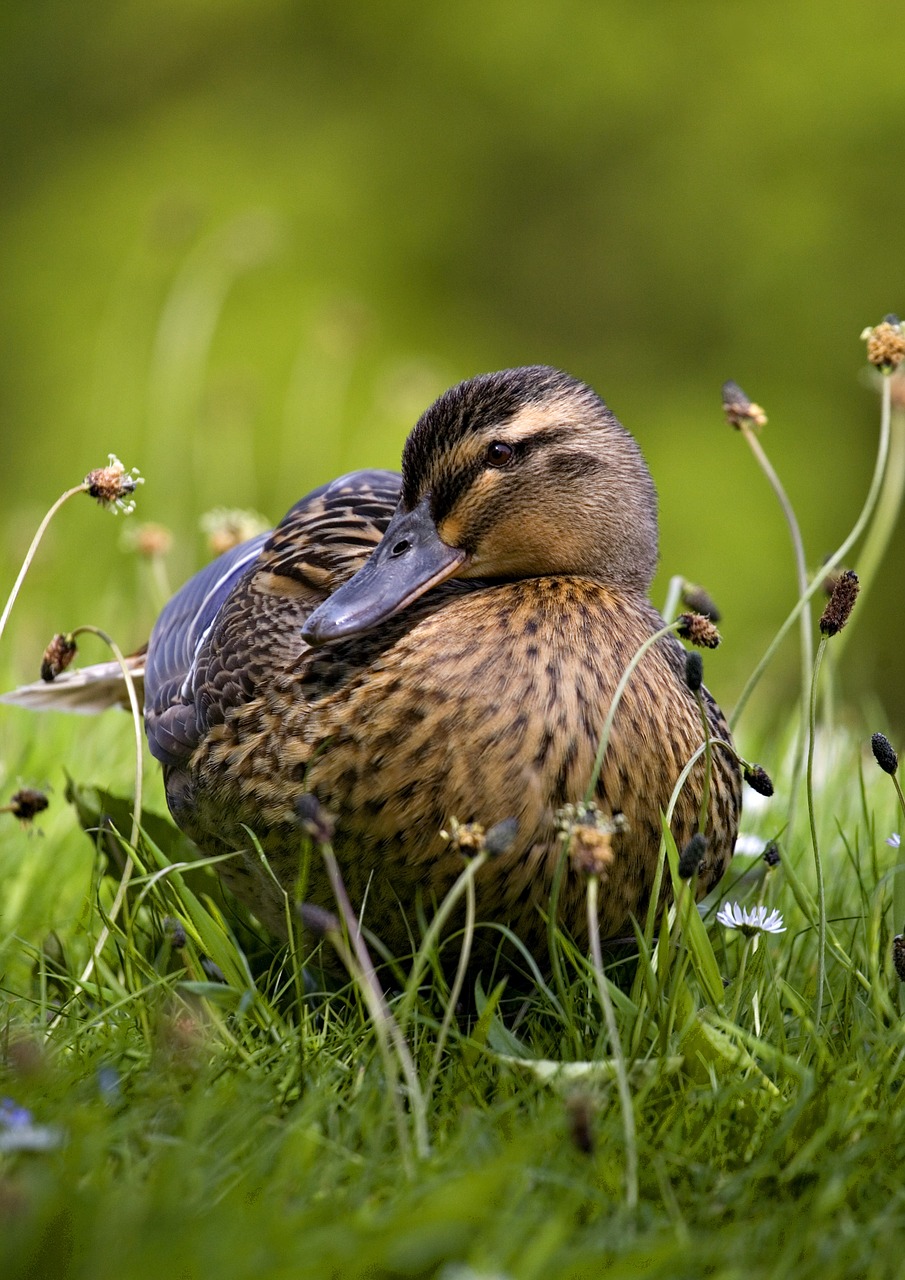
[[233, 1129], [190, 1112]]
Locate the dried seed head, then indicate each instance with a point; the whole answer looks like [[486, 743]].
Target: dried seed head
[[840, 604], [111, 485], [467, 837], [739, 410], [758, 779], [697, 629], [693, 855], [772, 855], [227, 527], [590, 834], [898, 955], [314, 818], [148, 540], [591, 849], [886, 344], [694, 670], [317, 919], [57, 656], [884, 753], [27, 804], [700, 601]]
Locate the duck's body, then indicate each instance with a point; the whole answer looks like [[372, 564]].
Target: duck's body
[[464, 671]]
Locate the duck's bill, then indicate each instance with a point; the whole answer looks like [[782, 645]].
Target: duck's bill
[[408, 560]]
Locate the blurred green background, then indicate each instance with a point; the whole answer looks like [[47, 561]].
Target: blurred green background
[[244, 244]]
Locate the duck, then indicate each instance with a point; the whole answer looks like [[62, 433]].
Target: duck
[[436, 650], [443, 646]]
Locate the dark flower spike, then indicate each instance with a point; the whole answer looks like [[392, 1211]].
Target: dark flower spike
[[694, 671], [884, 753], [175, 932], [739, 410], [886, 344], [840, 604], [700, 601], [57, 656], [758, 779], [771, 854], [697, 629], [501, 837], [314, 818], [898, 955], [26, 804], [693, 855]]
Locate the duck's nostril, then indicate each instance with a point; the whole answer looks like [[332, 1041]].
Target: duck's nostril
[[401, 546]]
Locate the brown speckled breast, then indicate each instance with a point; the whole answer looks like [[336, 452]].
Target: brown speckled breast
[[481, 702]]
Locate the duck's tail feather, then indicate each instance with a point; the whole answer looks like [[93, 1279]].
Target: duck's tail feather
[[85, 691]]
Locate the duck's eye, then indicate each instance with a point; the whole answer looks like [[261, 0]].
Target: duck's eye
[[499, 454]]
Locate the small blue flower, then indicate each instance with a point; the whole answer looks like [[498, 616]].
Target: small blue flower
[[12, 1116], [894, 841], [18, 1131]]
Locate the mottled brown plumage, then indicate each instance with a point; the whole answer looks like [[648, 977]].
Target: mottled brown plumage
[[463, 671]]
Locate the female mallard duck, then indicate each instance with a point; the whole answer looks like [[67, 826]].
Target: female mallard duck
[[444, 644]]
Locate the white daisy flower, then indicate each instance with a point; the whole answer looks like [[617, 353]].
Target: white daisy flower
[[749, 922]]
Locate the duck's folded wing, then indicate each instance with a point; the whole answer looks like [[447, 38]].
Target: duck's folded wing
[[239, 620], [162, 665]]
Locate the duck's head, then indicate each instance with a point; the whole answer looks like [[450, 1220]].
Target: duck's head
[[510, 475]]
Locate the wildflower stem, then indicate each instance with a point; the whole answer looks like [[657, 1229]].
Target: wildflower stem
[[381, 1018], [801, 572], [123, 886], [821, 888], [609, 1015], [432, 934], [708, 766], [835, 559], [788, 511], [458, 982], [616, 699], [673, 596], [378, 1008], [898, 787], [889, 505], [160, 580], [35, 543]]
